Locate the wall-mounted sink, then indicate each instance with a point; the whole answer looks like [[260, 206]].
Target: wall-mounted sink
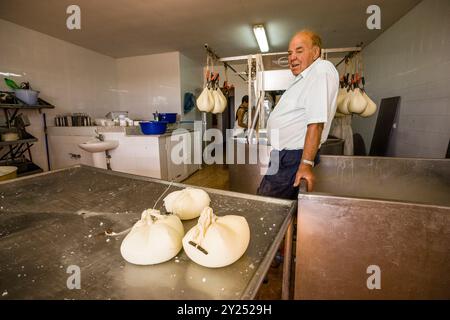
[[100, 151], [95, 145]]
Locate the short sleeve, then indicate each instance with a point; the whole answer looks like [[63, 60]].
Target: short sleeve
[[319, 98]]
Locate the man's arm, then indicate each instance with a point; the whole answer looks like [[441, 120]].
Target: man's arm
[[312, 141]]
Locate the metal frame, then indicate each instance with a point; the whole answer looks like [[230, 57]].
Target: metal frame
[[253, 82]]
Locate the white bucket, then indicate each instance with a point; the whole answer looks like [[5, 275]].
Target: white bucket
[[28, 96]]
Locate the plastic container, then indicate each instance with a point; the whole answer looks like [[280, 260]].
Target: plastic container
[[28, 96], [153, 127], [7, 172], [168, 117], [9, 136]]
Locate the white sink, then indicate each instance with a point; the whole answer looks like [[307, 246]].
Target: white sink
[[99, 146]]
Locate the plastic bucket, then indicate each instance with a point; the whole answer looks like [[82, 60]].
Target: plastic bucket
[[28, 96], [7, 172]]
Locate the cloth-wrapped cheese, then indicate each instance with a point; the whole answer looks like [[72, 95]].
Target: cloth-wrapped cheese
[[371, 107], [220, 102], [342, 92], [155, 238], [205, 102], [345, 102], [357, 103], [217, 241], [188, 203]]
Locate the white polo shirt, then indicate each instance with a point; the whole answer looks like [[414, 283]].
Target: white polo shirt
[[311, 98]]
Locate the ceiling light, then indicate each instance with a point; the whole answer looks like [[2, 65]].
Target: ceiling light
[[9, 74], [260, 35]]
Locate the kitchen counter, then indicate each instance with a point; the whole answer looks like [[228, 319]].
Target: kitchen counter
[[146, 155], [90, 131], [136, 131]]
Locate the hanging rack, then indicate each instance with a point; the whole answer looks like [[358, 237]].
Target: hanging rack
[[350, 54], [351, 51], [217, 58]]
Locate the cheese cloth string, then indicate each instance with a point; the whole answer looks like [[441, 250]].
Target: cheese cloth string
[[113, 234]]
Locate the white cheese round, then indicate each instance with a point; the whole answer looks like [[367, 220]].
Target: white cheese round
[[217, 241], [155, 238], [188, 203]]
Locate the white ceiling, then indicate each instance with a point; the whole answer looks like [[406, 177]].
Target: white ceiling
[[121, 28]]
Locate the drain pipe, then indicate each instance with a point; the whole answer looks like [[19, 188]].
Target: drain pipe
[[108, 160]]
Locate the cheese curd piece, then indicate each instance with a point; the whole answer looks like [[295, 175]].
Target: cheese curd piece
[[188, 203], [225, 239], [153, 239]]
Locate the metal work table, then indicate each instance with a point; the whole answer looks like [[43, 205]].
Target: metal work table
[[51, 221]]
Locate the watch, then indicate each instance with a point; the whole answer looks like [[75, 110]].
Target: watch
[[311, 163]]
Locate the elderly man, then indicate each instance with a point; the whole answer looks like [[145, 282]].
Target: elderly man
[[300, 122]]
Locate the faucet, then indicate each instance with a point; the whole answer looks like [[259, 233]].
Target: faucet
[[99, 136]]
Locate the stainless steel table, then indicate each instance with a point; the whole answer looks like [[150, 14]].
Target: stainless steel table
[[57, 219]]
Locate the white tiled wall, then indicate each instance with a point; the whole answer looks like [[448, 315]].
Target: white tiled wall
[[75, 79], [70, 77], [149, 83], [411, 59]]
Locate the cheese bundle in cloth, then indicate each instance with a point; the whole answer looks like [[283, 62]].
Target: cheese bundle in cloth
[[155, 238], [217, 241]]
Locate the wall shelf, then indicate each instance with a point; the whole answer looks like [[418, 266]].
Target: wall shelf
[[18, 153], [8, 143]]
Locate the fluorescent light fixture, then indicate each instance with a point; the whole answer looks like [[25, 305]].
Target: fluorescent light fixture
[[260, 35], [9, 74]]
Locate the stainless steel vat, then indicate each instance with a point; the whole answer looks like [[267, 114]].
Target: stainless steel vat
[[246, 176], [390, 213]]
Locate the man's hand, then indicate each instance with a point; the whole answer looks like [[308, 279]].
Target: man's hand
[[305, 171], [312, 142]]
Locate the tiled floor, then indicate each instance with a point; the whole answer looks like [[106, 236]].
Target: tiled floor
[[216, 177]]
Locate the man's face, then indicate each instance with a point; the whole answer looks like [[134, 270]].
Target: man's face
[[301, 53]]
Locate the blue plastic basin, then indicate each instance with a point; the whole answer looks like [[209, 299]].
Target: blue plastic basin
[[169, 117], [153, 127]]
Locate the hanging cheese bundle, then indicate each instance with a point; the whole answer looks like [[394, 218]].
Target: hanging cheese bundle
[[371, 107], [217, 241], [220, 102], [357, 103], [341, 96], [342, 93], [343, 107], [155, 238], [205, 102], [188, 203]]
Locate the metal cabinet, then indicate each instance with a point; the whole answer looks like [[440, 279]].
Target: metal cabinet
[[179, 170]]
